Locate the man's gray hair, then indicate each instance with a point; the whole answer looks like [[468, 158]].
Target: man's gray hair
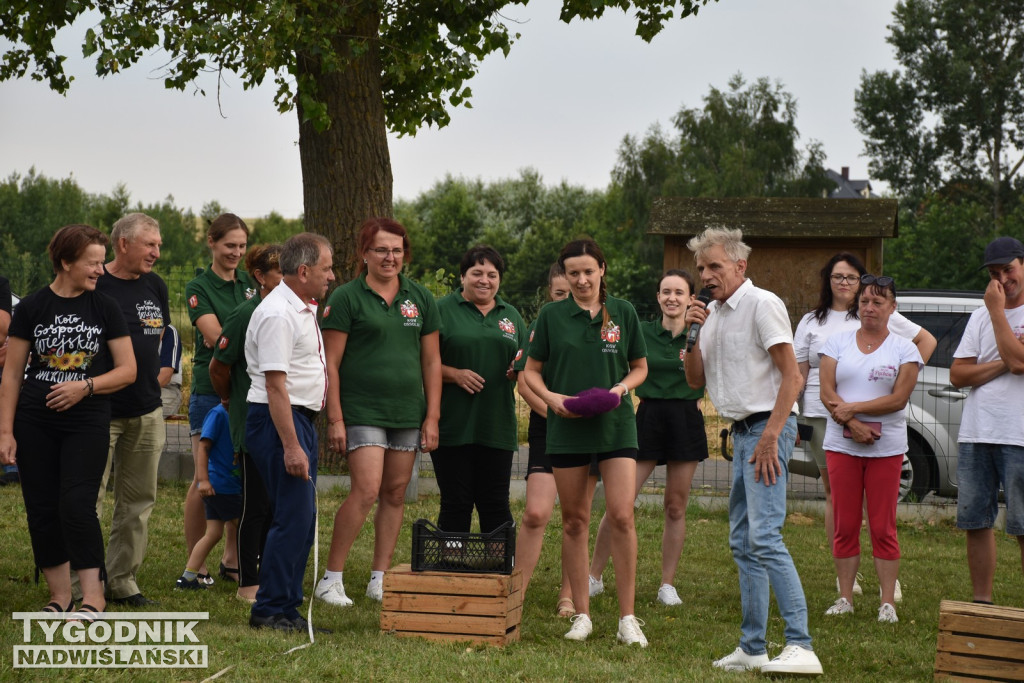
[[130, 225], [730, 239], [301, 250]]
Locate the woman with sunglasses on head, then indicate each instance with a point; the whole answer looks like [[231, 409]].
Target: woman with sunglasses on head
[[837, 312], [383, 399], [866, 378], [591, 341]]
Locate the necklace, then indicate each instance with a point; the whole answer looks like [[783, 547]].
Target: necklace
[[868, 344]]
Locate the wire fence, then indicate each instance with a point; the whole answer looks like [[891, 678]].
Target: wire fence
[[713, 477]]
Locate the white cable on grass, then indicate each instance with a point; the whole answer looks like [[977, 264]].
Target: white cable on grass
[[219, 673]]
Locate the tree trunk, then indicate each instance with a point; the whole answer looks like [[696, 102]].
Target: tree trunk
[[346, 169]]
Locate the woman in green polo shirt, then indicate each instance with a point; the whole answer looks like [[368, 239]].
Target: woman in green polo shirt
[[670, 430], [228, 372], [211, 296], [383, 397], [480, 336], [591, 340]]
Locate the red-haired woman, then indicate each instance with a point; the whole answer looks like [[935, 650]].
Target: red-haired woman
[[384, 396]]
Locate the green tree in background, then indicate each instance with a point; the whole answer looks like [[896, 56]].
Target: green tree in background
[[351, 70], [743, 142], [946, 131], [953, 116], [274, 228]]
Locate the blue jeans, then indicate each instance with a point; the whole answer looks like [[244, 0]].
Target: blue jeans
[[756, 515]]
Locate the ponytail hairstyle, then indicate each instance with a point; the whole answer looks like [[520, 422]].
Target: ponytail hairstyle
[[588, 248]]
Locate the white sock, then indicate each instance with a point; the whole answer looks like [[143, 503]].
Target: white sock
[[331, 577], [376, 577]]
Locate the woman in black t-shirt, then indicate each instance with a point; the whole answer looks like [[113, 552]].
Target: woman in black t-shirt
[[56, 420]]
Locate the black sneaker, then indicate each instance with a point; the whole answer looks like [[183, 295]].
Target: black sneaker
[[183, 584], [278, 622], [301, 624], [137, 600]]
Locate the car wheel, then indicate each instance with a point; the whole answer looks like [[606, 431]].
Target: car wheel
[[915, 477]]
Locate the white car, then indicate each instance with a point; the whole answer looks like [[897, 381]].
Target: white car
[[935, 407]]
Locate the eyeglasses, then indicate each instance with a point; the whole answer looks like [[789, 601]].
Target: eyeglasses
[[881, 280], [384, 251], [844, 279]]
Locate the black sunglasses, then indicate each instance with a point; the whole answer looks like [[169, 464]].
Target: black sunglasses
[[881, 280]]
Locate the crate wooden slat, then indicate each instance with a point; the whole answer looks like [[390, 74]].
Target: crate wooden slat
[[979, 642], [452, 606]]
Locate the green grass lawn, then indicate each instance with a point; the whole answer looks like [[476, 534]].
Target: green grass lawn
[[683, 640]]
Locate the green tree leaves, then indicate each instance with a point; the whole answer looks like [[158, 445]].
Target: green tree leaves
[[955, 113]]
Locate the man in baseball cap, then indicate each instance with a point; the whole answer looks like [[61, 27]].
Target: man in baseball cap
[[1002, 250], [990, 360]]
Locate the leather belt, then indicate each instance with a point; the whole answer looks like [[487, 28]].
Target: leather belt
[[749, 421], [306, 412]]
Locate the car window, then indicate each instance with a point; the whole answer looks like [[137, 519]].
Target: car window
[[947, 327]]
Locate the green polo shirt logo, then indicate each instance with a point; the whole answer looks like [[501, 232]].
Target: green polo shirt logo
[[508, 327], [412, 312], [611, 333]]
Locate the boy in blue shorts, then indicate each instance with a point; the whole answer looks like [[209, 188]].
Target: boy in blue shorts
[[220, 486]]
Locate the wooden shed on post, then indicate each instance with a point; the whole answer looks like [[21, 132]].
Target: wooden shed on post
[[791, 238]]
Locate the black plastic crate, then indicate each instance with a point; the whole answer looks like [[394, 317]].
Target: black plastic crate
[[453, 551]]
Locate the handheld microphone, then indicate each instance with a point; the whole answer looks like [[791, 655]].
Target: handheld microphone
[[691, 337]]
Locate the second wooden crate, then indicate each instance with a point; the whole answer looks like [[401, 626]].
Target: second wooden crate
[[452, 606], [979, 642]]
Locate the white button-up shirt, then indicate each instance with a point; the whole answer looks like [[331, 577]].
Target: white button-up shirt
[[741, 377], [283, 335]]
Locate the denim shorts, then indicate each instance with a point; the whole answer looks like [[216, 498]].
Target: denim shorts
[[392, 439], [980, 469], [198, 406]]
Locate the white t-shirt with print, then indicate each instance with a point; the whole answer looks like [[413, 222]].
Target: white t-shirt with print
[[810, 338], [994, 411], [864, 377]]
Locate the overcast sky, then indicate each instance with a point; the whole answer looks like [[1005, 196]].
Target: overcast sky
[[561, 103]]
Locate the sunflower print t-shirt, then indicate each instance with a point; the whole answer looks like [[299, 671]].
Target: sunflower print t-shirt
[[67, 342]]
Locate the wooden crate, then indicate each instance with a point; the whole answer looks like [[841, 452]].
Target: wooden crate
[[451, 606], [979, 642]]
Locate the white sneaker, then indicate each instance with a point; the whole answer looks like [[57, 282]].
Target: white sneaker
[[333, 593], [667, 595], [629, 631], [375, 590], [840, 606], [887, 614], [581, 628], [740, 661], [596, 586], [794, 660], [897, 595], [857, 590]]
